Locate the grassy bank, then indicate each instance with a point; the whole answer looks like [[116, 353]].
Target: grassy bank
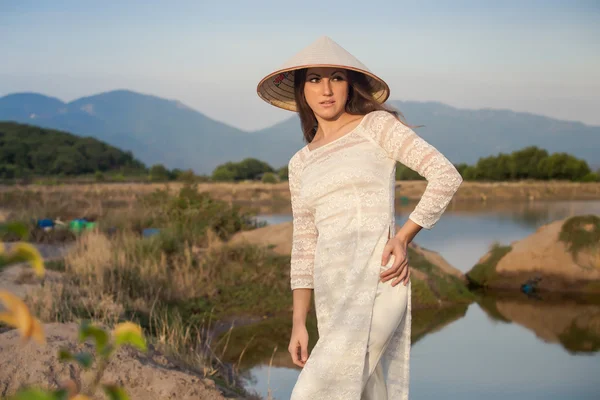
[[484, 272], [433, 288]]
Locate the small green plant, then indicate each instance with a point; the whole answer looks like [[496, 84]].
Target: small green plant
[[126, 333], [18, 315], [581, 233]]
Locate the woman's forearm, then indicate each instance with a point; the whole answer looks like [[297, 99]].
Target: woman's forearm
[[408, 231], [301, 300]]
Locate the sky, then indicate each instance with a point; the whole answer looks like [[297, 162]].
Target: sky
[[541, 57]]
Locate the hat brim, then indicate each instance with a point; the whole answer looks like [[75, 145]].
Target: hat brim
[[277, 88]]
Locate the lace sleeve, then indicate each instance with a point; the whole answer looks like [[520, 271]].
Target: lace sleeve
[[304, 239], [402, 144]]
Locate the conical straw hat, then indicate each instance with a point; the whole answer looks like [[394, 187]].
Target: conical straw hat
[[277, 88]]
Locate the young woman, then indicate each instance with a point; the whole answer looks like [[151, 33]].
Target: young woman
[[345, 246]]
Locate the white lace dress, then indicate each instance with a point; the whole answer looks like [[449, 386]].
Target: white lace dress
[[342, 197]]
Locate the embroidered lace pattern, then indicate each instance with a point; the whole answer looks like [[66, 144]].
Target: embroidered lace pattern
[[342, 197]]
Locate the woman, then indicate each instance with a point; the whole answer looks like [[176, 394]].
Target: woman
[[345, 246]]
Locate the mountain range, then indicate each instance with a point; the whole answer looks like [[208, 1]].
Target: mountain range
[[165, 131]]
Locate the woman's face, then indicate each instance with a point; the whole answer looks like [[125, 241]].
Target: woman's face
[[326, 91]]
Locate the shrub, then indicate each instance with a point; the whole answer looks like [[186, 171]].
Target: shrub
[[269, 177], [580, 233], [159, 172]]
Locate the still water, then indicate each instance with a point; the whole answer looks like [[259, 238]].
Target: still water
[[500, 348]]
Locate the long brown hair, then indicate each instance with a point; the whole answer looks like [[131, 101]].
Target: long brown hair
[[360, 101]]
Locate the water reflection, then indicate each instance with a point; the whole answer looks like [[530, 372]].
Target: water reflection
[[464, 352], [573, 324], [266, 342]]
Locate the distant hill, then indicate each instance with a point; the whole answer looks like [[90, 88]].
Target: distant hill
[[157, 130], [465, 135], [27, 149]]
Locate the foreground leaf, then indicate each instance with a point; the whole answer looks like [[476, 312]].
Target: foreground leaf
[[25, 252], [130, 333], [84, 359], [115, 393], [8, 319], [100, 336], [19, 317], [34, 394]]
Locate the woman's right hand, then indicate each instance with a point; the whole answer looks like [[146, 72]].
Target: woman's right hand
[[298, 347]]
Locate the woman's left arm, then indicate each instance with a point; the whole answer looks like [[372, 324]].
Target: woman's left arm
[[443, 180]]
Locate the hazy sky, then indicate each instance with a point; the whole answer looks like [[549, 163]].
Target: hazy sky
[[536, 56]]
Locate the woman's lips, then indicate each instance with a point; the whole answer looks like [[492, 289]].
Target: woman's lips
[[328, 103]]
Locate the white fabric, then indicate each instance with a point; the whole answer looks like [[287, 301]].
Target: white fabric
[[389, 310], [343, 211]]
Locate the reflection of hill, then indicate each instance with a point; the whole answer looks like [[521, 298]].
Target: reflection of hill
[[426, 321], [576, 326], [257, 341]]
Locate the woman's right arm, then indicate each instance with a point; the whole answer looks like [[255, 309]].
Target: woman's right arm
[[304, 240]]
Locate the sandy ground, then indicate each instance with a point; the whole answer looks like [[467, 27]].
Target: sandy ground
[[149, 376], [145, 376]]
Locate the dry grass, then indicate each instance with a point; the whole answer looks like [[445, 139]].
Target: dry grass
[[102, 200], [170, 283], [107, 280]]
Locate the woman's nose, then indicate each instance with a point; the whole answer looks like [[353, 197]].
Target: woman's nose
[[326, 87]]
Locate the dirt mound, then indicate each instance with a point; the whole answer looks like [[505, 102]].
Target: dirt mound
[[280, 237], [144, 376], [435, 282], [542, 259]]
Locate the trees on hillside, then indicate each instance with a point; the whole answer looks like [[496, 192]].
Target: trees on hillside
[[247, 169], [30, 150]]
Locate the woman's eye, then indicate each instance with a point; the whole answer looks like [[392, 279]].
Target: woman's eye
[[338, 78], [313, 80]]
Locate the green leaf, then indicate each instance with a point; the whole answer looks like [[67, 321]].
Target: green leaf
[[61, 394], [106, 352], [34, 394], [84, 359], [115, 393], [87, 330], [64, 355], [132, 339]]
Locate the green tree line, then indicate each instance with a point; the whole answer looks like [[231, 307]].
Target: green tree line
[[249, 169], [527, 163], [30, 150]]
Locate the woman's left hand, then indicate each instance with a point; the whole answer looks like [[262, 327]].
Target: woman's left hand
[[400, 269]]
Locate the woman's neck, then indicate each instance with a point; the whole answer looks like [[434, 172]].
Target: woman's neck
[[329, 128]]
